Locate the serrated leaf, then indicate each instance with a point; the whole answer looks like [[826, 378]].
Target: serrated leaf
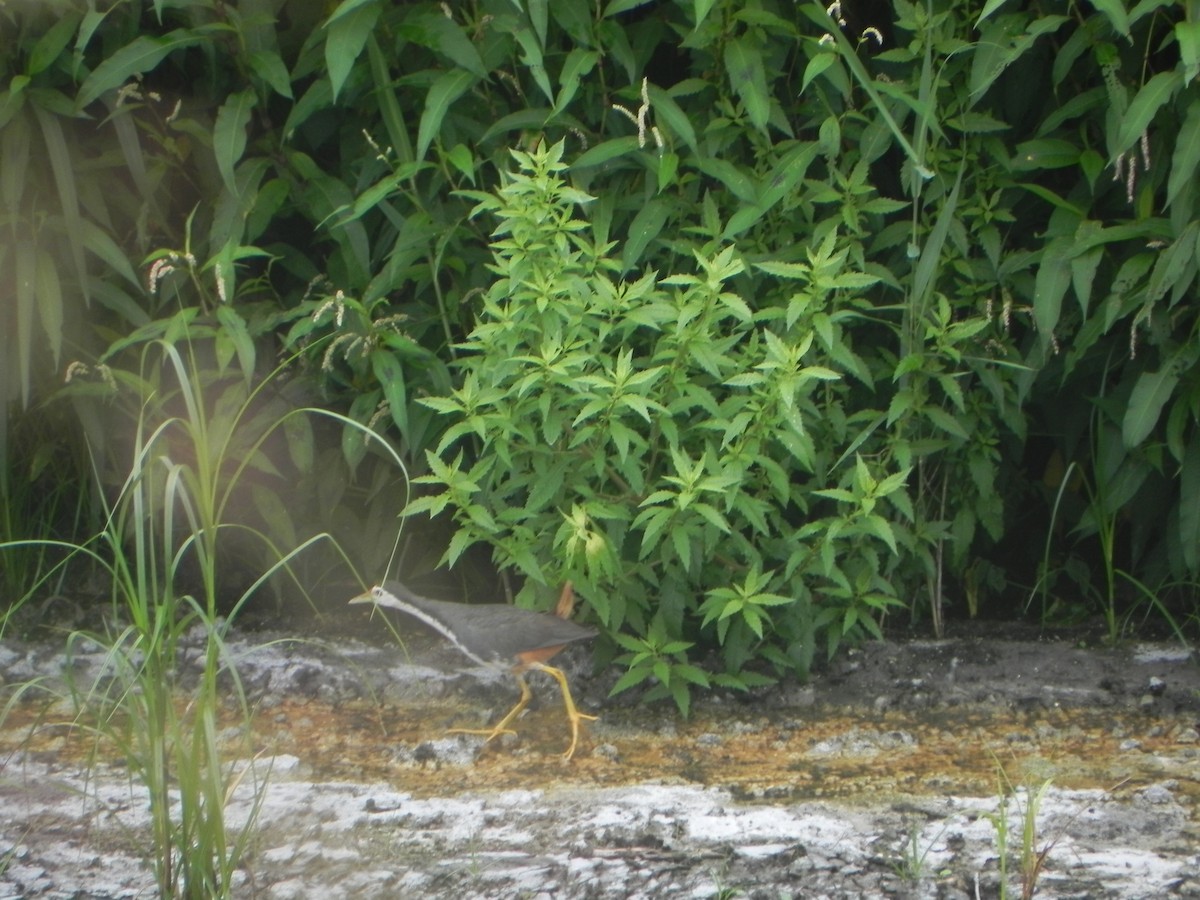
[[785, 269], [632, 678], [880, 528], [459, 544], [681, 538], [946, 422]]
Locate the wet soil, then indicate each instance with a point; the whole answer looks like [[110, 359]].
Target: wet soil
[[894, 773]]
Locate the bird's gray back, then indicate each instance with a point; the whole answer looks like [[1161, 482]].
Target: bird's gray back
[[496, 630]]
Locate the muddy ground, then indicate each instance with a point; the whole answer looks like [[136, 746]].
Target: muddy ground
[[889, 775]]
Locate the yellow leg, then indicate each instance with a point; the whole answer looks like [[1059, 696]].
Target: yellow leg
[[573, 712], [501, 727]]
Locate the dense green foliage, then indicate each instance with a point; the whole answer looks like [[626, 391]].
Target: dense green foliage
[[779, 317]]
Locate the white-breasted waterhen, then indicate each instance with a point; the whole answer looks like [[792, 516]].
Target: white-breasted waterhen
[[496, 635]]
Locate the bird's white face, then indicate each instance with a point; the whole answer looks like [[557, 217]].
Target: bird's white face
[[375, 595]]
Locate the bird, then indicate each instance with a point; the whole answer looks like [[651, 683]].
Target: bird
[[499, 636]]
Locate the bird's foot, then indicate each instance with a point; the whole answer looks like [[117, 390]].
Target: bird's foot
[[575, 716], [489, 732]]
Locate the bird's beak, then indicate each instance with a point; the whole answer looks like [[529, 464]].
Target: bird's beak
[[364, 597]]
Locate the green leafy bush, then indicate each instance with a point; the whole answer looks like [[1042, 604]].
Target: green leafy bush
[[983, 221], [660, 444]]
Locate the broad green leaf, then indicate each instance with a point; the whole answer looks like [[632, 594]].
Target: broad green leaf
[[390, 375], [52, 43], [1114, 11], [299, 433], [1153, 94], [275, 513], [816, 66], [971, 122], [667, 112], [1150, 393], [270, 68], [62, 164], [644, 228], [347, 7], [25, 271], [229, 135], [1175, 267], [616, 7], [318, 97], [787, 175], [1045, 153], [1083, 275], [1050, 285], [97, 240], [539, 18], [579, 62], [1050, 197], [448, 88], [447, 37], [575, 18], [988, 8], [233, 326], [140, 55], [348, 32], [12, 99], [1185, 161], [1187, 34], [50, 303], [533, 60], [743, 65], [733, 177], [1189, 505], [700, 11], [389, 106], [522, 120], [931, 253]]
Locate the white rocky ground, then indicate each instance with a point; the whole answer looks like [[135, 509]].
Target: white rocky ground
[[66, 832]]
